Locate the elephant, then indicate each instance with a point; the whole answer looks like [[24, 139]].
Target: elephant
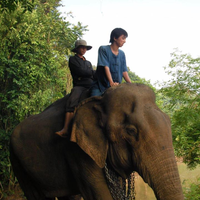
[[123, 129]]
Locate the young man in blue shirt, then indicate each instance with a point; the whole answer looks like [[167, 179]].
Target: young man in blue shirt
[[111, 66]]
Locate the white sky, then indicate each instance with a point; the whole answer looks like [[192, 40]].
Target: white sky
[[155, 28]]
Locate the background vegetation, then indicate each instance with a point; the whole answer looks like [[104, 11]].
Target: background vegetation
[[180, 98], [35, 44]]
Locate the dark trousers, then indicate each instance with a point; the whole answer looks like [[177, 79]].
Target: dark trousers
[[75, 98]]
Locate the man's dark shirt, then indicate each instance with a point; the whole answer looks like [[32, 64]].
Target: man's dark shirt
[[81, 71]]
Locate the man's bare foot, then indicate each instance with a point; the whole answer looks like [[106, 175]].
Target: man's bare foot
[[62, 133]]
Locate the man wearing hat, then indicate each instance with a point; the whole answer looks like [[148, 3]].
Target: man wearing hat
[[82, 74]]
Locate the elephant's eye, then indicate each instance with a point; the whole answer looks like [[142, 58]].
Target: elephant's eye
[[131, 130]]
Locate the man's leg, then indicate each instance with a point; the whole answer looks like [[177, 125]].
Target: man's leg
[[68, 118]]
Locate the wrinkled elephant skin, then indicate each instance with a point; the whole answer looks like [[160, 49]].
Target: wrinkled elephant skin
[[124, 128]]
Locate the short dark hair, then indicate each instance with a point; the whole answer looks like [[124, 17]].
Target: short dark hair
[[116, 33]]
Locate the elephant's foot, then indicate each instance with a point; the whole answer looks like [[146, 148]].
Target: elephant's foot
[[63, 133]]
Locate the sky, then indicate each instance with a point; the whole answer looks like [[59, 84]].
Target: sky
[[155, 28]]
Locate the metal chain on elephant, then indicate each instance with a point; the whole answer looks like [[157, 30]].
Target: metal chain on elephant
[[131, 187], [121, 189]]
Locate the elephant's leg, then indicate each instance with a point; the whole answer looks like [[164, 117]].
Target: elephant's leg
[[27, 185], [89, 177]]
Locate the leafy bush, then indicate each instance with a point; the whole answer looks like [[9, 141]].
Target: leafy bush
[[35, 45], [193, 191], [182, 103]]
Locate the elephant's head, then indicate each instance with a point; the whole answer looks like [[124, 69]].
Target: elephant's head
[[126, 128]]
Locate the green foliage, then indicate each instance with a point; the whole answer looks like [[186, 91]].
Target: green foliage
[[193, 191], [4, 158], [136, 79], [11, 5], [34, 49], [182, 103]]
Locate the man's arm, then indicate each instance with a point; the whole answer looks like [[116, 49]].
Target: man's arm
[[126, 77], [109, 77], [80, 68]]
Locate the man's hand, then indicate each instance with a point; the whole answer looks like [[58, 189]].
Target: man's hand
[[113, 84]]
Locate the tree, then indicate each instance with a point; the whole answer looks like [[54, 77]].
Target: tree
[[182, 102], [34, 49], [12, 5], [136, 79]]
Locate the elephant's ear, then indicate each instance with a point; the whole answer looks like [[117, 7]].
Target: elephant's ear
[[87, 131]]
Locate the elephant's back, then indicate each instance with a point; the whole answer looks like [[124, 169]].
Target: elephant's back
[[50, 118], [40, 151], [39, 130]]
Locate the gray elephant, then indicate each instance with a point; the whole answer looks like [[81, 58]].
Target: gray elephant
[[123, 128]]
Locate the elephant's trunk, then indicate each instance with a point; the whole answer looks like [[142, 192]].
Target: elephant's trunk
[[162, 175]]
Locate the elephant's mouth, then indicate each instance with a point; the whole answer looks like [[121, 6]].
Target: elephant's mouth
[[119, 161]]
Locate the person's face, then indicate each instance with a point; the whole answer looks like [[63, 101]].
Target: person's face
[[81, 50], [120, 40]]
